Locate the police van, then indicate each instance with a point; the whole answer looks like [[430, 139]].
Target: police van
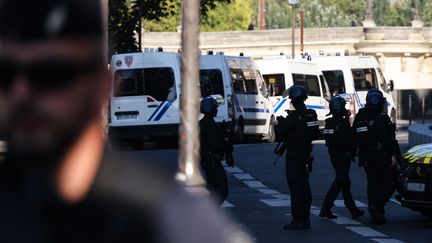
[[144, 103], [354, 76], [280, 73], [247, 108]]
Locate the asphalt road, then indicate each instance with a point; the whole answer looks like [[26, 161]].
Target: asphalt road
[[259, 199]]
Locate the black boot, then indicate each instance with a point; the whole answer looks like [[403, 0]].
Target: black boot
[[376, 216], [327, 214], [356, 213]]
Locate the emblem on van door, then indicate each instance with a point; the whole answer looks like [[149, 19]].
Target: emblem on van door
[[128, 60]]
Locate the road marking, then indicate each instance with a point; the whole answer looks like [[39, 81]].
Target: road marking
[[345, 221], [254, 184], [243, 176], [226, 204], [385, 240], [340, 204], [276, 202], [234, 170], [366, 231], [281, 196], [268, 191]]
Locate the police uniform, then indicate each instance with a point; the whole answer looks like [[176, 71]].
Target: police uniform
[[300, 128], [376, 139], [214, 146], [340, 142]]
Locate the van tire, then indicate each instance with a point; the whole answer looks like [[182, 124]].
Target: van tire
[[271, 135], [135, 143], [427, 213], [239, 136]]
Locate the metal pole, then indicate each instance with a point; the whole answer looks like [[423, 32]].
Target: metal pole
[[189, 169], [410, 108], [293, 8], [302, 31], [423, 109]]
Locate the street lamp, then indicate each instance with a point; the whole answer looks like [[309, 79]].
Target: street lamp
[[293, 4]]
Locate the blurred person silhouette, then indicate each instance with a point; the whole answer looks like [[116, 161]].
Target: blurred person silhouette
[[58, 182]]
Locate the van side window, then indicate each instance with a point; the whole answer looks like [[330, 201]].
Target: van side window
[[383, 82], [251, 82], [325, 88], [275, 84], [335, 81], [364, 79], [238, 81], [211, 82], [261, 84], [155, 82], [309, 82]]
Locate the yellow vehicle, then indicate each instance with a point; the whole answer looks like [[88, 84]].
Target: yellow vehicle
[[415, 187]]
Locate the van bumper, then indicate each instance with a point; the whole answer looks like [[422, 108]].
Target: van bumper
[[146, 132]]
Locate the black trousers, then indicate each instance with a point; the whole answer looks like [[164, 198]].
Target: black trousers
[[341, 161], [217, 182], [381, 178], [298, 184]]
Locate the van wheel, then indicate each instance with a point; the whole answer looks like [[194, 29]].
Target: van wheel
[[393, 116], [271, 135], [427, 213], [239, 136], [135, 143]]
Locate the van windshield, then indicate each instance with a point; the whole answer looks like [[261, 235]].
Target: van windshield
[[275, 83], [309, 82], [155, 82], [364, 79], [211, 82], [335, 81]]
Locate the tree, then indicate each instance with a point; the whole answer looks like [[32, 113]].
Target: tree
[[236, 15], [398, 15]]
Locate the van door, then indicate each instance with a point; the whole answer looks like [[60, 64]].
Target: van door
[[211, 83], [276, 86], [315, 101], [142, 96]]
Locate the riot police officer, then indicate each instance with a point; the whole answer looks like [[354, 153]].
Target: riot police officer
[[214, 145], [378, 149], [299, 129], [339, 140]]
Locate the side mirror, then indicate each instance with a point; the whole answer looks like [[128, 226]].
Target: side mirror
[[219, 99], [285, 93], [390, 86]]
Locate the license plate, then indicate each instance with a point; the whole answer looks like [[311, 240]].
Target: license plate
[[127, 117], [416, 187]]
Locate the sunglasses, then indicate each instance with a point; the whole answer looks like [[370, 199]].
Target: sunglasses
[[46, 74]]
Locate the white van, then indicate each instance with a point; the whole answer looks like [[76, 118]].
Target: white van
[[144, 103], [238, 80], [280, 73], [355, 75]]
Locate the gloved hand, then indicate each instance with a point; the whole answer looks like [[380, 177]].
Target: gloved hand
[[394, 162], [229, 159]]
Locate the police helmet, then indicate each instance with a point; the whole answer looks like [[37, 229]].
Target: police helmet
[[337, 105], [208, 105], [297, 92], [374, 98]]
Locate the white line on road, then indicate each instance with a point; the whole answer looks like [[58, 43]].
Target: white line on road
[[243, 176], [345, 221], [385, 240], [254, 184], [366, 231], [226, 204], [340, 204], [276, 202], [395, 201], [234, 170], [281, 196], [268, 191]]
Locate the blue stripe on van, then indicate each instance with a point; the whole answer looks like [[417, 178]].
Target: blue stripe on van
[[315, 107], [156, 111], [280, 105], [159, 116], [256, 110]]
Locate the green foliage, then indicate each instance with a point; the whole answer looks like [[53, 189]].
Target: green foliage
[[325, 14], [426, 12], [398, 15], [236, 15]]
